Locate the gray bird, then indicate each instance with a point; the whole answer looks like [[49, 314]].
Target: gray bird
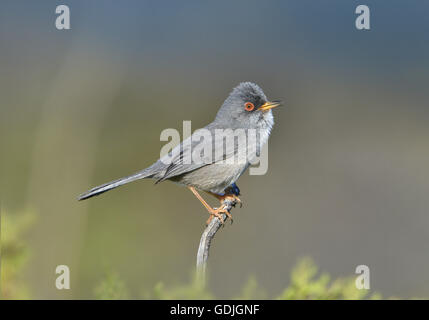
[[218, 164]]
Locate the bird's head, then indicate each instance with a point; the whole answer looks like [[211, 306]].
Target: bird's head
[[247, 107]]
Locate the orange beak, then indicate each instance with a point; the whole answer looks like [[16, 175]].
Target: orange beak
[[269, 105]]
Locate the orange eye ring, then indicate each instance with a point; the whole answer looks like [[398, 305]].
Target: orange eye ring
[[248, 106]]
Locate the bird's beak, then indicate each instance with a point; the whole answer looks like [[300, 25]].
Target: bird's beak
[[269, 105]]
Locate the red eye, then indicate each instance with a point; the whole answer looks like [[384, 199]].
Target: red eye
[[248, 106]]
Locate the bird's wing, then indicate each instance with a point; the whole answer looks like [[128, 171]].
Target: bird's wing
[[200, 150]]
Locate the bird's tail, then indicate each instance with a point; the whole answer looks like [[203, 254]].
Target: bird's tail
[[114, 184]]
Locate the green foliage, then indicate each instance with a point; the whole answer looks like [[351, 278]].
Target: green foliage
[[14, 253], [193, 290], [307, 284], [251, 290], [111, 288]]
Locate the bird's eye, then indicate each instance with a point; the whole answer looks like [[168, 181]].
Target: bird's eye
[[248, 106]]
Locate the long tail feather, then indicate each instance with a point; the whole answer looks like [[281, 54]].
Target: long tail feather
[[114, 184]]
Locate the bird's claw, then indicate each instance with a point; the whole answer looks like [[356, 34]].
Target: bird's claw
[[235, 199], [218, 214]]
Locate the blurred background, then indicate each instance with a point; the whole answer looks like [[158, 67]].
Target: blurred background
[[348, 178]]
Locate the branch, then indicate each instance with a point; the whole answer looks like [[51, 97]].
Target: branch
[[207, 237]]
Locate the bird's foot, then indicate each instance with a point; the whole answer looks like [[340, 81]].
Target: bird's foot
[[231, 197], [228, 196], [218, 214], [237, 200]]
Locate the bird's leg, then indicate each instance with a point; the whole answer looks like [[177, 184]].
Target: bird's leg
[[223, 197], [213, 212], [234, 192], [231, 192]]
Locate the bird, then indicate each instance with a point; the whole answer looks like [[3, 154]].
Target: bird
[[246, 110]]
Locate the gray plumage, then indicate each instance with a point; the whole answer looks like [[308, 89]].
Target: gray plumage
[[213, 173]]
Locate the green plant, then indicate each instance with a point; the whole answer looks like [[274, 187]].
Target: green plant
[[14, 253], [306, 283], [192, 290], [111, 288]]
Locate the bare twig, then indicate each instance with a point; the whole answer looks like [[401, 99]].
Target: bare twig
[[206, 239]]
